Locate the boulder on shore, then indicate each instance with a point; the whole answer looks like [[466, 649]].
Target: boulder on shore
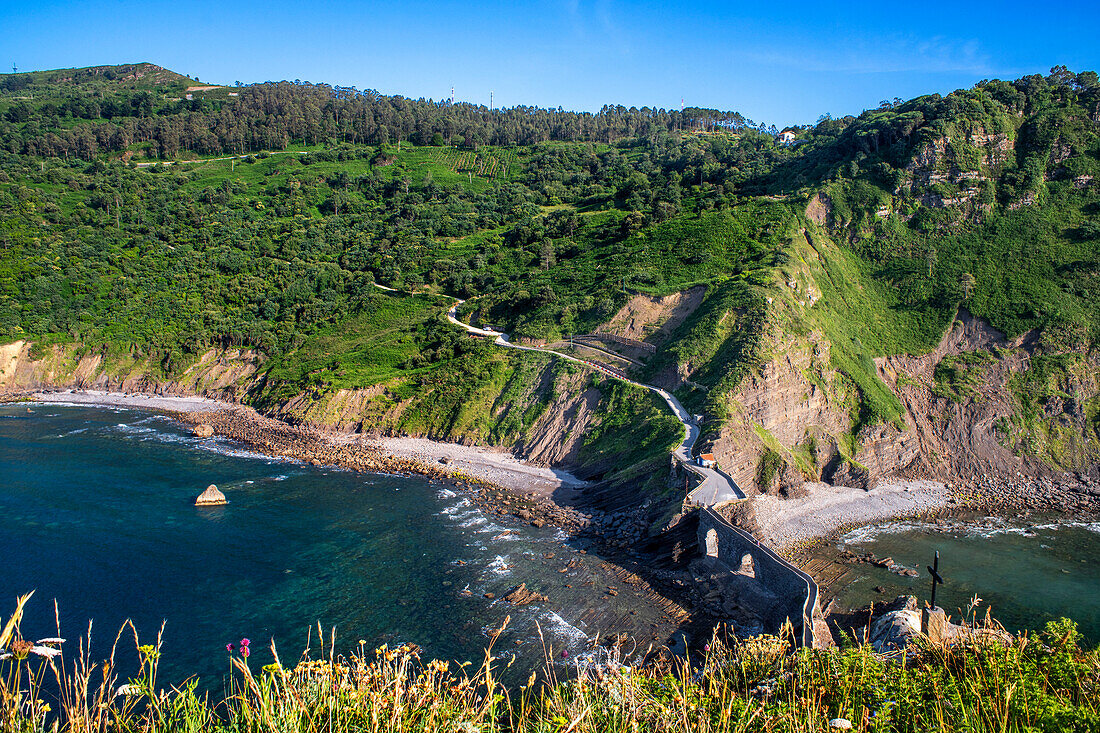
[[202, 430], [211, 497]]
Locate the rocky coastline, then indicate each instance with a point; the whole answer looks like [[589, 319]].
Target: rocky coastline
[[1011, 495], [306, 444]]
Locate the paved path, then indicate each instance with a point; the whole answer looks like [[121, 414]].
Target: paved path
[[716, 487]]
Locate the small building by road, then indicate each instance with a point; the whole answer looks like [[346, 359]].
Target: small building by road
[[706, 460]]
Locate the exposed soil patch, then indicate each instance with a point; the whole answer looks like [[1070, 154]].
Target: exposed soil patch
[[650, 319]]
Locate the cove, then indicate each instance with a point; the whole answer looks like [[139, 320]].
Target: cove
[[98, 514], [1027, 572]]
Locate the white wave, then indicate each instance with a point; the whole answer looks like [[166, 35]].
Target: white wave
[[500, 566], [1090, 526], [473, 522], [447, 494], [984, 528], [460, 504], [871, 532], [218, 445], [562, 629]]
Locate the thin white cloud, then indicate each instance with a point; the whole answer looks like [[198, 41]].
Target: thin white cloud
[[598, 24], [886, 54]]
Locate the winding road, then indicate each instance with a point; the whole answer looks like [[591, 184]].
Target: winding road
[[715, 487]]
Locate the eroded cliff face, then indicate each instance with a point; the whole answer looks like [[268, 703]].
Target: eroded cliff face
[[218, 373], [793, 418], [542, 420], [543, 416], [985, 404]]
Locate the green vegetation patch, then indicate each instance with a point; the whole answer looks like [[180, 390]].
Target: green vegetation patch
[[957, 377]]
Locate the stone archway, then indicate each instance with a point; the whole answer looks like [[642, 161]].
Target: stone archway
[[712, 543]]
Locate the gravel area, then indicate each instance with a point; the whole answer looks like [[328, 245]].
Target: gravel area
[[495, 466], [787, 523]]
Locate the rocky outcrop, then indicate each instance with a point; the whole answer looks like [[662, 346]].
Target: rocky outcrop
[[899, 627], [820, 210], [211, 497], [202, 430], [521, 596]]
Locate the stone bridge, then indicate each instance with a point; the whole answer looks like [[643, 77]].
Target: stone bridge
[[795, 591]]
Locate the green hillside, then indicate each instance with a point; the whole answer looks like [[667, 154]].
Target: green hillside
[[546, 221]]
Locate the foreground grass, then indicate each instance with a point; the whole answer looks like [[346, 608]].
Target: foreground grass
[[1043, 683]]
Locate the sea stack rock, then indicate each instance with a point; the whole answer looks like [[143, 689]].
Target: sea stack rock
[[211, 497], [202, 430]]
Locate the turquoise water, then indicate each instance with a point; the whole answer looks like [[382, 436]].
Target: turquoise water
[[1027, 572], [97, 507]]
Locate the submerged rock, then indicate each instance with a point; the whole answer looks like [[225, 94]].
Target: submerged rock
[[211, 497]]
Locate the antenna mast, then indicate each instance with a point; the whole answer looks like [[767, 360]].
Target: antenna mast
[[490, 101], [452, 94]]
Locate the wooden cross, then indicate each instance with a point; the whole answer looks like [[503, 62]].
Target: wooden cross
[[934, 569]]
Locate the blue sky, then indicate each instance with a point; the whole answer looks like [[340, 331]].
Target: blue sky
[[775, 62]]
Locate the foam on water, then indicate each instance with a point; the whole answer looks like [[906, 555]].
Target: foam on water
[[457, 506], [500, 566], [562, 629], [219, 445], [472, 522], [984, 528]]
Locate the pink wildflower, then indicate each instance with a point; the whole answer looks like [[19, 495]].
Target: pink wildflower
[[229, 647]]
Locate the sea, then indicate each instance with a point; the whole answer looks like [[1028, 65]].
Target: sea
[[98, 516], [1026, 572]]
